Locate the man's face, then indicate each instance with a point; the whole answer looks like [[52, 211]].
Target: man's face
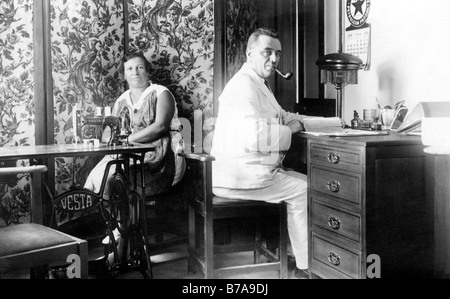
[[264, 56]]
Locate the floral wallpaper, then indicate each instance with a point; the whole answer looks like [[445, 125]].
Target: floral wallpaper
[[16, 100], [242, 16], [87, 46], [177, 37], [87, 39]]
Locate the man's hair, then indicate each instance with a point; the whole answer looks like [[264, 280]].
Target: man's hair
[[257, 33]]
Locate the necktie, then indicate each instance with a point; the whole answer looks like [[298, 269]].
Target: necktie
[[268, 86]]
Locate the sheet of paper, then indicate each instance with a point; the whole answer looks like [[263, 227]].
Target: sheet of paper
[[355, 133], [323, 125], [348, 133]]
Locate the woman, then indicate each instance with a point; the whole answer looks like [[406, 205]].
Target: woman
[[149, 112], [150, 109]]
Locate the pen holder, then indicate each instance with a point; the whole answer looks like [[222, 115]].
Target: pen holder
[[387, 117]]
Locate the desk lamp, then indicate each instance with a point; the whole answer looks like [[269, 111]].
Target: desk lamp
[[339, 69]]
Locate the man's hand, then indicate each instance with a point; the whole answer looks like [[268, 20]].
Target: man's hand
[[295, 126]]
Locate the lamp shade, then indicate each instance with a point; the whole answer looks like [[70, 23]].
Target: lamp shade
[[339, 61], [339, 69]]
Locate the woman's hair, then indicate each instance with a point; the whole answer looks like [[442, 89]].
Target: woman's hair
[[131, 55]]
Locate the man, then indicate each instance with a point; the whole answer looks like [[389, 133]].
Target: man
[[251, 135]]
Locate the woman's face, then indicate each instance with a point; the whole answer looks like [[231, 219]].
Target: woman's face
[[136, 73]]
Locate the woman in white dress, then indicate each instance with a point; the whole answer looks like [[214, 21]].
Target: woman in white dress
[[152, 114], [149, 111]]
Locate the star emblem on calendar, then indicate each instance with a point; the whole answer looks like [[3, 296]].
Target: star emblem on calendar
[[358, 11]]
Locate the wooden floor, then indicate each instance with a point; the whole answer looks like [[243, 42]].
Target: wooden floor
[[172, 263]]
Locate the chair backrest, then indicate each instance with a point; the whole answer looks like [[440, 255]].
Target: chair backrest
[[9, 175]]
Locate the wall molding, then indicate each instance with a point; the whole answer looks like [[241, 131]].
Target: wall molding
[[43, 73]]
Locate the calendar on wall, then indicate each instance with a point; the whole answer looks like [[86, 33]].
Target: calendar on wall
[[357, 43], [358, 33]]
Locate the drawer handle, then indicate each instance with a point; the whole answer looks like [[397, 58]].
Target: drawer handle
[[334, 223], [334, 186], [334, 158], [334, 259]]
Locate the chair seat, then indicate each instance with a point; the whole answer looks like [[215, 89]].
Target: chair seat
[[238, 202], [230, 208], [22, 238], [33, 245]]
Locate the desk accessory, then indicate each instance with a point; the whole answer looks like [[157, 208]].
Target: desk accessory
[[339, 69]]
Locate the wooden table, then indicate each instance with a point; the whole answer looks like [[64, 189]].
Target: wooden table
[[438, 151], [40, 153], [69, 150]]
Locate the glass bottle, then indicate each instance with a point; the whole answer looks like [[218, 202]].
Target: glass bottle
[[356, 121]]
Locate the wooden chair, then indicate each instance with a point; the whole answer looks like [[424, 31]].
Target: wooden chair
[[34, 245], [206, 209]]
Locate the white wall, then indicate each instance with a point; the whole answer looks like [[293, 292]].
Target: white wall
[[410, 54]]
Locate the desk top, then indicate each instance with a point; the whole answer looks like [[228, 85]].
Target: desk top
[[68, 150], [392, 138], [439, 151]]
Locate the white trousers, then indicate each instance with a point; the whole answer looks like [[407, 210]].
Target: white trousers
[[290, 187]]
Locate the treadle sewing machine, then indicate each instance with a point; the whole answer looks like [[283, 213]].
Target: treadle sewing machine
[[113, 132], [94, 127]]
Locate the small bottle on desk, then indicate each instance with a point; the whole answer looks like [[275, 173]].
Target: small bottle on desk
[[356, 121]]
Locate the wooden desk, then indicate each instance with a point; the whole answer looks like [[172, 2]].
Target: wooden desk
[[439, 189], [367, 195]]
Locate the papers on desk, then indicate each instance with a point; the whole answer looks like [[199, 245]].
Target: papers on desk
[[332, 127], [322, 125], [348, 133]]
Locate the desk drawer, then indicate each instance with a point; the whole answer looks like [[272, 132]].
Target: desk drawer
[[336, 221], [329, 255], [344, 186], [336, 157]]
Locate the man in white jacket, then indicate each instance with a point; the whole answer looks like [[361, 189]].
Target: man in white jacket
[[251, 136]]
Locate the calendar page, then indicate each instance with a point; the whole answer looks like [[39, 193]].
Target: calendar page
[[357, 43], [357, 37]]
